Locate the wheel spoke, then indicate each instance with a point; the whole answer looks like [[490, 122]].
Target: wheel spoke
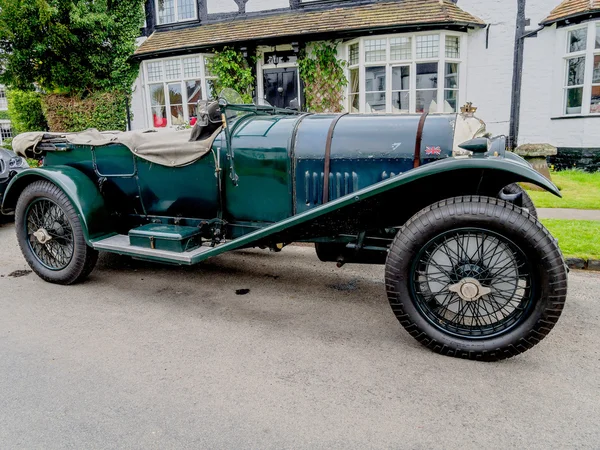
[[493, 262], [48, 218]]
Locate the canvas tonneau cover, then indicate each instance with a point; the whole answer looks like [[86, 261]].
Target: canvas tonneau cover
[[166, 147]]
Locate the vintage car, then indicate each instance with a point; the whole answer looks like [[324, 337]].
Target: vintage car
[[10, 165], [469, 271]]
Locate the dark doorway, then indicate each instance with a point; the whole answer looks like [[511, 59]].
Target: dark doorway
[[281, 87]]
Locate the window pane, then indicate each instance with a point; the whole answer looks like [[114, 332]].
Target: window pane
[[177, 117], [577, 40], [193, 91], [596, 73], [185, 9], [210, 89], [175, 93], [354, 106], [400, 78], [400, 48], [595, 105], [354, 81], [374, 50], [428, 46], [157, 94], [575, 71], [159, 116], [376, 102], [452, 47], [427, 101], [400, 101], [166, 11], [574, 100], [450, 98], [3, 101], [375, 78], [597, 36], [172, 69], [154, 71], [207, 62], [451, 81], [427, 75], [191, 67], [353, 54]]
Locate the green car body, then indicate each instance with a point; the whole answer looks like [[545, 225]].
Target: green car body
[[470, 272]]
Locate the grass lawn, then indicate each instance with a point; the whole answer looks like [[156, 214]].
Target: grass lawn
[[576, 238], [580, 190]]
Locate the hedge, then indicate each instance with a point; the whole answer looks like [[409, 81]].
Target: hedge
[[25, 111], [104, 111]]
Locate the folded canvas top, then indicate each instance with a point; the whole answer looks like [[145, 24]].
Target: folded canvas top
[[166, 147]]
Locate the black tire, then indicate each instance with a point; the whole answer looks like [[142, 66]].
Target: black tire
[[76, 259], [526, 201], [535, 299]]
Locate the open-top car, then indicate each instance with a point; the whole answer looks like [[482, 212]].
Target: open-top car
[[470, 272]]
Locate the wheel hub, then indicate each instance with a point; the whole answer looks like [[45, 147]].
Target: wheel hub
[[469, 289], [42, 236]]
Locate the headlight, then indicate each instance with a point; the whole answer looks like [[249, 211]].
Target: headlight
[[14, 163]]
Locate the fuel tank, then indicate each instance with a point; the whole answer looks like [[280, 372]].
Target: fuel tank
[[365, 149], [282, 157]]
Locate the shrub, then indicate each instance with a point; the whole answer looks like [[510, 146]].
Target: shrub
[[232, 71], [25, 111], [103, 110]]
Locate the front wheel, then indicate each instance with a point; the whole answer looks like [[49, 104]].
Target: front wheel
[[50, 235], [477, 278]]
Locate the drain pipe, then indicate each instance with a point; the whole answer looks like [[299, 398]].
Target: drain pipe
[[517, 81], [515, 108]]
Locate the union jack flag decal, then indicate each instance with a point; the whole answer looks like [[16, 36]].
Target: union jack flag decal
[[433, 150]]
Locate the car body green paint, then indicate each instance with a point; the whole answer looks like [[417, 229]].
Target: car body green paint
[[81, 191], [278, 159]]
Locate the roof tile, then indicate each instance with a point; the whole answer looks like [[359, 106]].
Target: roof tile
[[572, 8], [293, 23]]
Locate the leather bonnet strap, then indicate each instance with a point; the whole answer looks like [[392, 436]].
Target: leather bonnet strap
[[419, 139], [328, 157]]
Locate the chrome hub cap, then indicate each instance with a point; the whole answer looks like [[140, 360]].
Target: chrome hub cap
[[42, 236], [469, 289]]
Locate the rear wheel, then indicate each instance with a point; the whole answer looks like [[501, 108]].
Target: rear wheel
[[50, 235], [477, 278]]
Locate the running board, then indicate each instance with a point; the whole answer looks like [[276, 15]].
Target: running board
[[119, 243]]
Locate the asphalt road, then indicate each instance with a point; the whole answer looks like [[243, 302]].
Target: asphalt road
[[147, 356]]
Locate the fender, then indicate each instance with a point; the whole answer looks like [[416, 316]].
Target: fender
[[80, 189], [392, 202]]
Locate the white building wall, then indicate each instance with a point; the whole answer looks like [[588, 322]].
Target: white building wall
[[490, 70], [221, 6], [264, 5], [542, 96]]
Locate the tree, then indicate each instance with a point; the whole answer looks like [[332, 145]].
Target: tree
[[73, 47]]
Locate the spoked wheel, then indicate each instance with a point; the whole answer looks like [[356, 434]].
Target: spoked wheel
[[477, 278], [472, 282], [50, 235]]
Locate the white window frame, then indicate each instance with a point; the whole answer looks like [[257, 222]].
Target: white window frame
[[182, 80], [589, 54], [176, 14], [441, 60]]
